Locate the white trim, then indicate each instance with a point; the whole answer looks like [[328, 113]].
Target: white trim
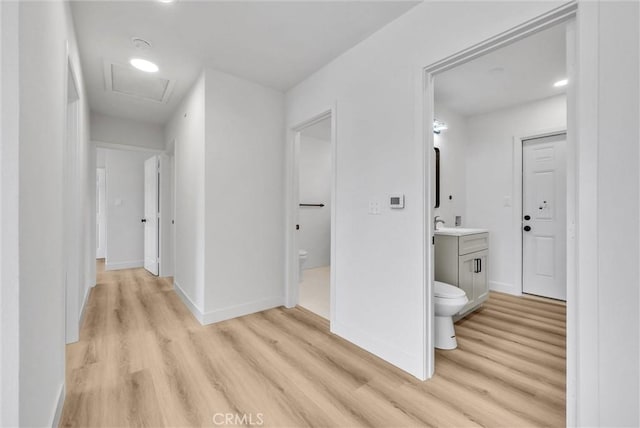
[[586, 198], [124, 265], [242, 310], [516, 191], [291, 209], [118, 146], [84, 305], [193, 308], [227, 313], [55, 422], [503, 287]]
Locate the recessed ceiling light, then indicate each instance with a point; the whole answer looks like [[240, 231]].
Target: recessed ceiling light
[[144, 65], [560, 83], [166, 1]]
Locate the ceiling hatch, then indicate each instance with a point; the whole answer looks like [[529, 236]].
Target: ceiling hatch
[[126, 80]]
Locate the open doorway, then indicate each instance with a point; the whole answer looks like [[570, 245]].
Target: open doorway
[[312, 210], [314, 216], [500, 114]]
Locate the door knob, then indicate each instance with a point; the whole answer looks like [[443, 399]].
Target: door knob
[[527, 217], [144, 220], [527, 228]]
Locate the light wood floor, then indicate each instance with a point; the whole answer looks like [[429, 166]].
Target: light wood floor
[[143, 360]]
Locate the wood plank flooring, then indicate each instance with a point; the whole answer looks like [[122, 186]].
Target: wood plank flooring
[[143, 360]]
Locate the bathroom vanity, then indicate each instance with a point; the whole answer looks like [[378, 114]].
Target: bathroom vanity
[[462, 259]]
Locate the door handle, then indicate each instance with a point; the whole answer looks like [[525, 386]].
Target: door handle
[[480, 265], [527, 217], [527, 228], [476, 266], [143, 220]]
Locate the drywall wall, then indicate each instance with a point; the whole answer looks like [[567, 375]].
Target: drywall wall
[[45, 28], [315, 188], [381, 260], [117, 130], [9, 216], [125, 208], [186, 128], [489, 166], [452, 144], [244, 197], [618, 210]]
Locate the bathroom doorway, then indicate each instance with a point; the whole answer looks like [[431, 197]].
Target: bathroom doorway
[[313, 211]]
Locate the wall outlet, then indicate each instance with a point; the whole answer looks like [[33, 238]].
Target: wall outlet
[[374, 208]]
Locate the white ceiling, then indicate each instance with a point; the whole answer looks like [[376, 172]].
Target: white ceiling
[[521, 72], [276, 44]]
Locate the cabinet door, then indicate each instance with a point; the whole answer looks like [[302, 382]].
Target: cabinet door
[[466, 277], [481, 277]]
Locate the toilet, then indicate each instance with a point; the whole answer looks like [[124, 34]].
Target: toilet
[[302, 258], [448, 301]]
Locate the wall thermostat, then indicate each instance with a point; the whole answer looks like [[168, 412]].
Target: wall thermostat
[[396, 201]]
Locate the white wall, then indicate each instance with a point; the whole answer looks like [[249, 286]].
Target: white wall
[[125, 208], [315, 188], [617, 212], [117, 130], [187, 127], [377, 86], [453, 152], [9, 217], [44, 30], [489, 164], [244, 197]]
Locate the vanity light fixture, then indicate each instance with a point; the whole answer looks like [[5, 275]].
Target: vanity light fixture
[[561, 83], [144, 65], [439, 126]]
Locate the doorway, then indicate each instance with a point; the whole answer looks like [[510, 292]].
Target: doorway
[[312, 212], [504, 196]]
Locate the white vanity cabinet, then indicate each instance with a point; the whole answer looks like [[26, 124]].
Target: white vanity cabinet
[[462, 259]]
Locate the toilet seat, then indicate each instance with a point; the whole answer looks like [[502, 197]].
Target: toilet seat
[[447, 291]]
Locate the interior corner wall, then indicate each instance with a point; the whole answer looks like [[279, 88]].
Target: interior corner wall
[[381, 260], [315, 188], [121, 131], [124, 171], [489, 166], [244, 197], [187, 128], [453, 153], [45, 28]]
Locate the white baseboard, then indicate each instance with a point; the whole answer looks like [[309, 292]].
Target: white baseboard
[[58, 412], [243, 309], [84, 305], [503, 287], [124, 265], [195, 310], [387, 351], [229, 312]]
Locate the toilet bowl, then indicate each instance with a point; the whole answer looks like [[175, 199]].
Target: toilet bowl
[[448, 301], [302, 258]]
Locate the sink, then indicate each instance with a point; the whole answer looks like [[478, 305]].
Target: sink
[[458, 231]]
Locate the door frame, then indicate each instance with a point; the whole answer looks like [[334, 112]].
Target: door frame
[[579, 201], [518, 192], [291, 208]]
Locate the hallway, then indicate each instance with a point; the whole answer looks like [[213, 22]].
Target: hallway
[[142, 359]]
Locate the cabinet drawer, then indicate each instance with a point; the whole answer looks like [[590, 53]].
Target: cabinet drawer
[[472, 243]]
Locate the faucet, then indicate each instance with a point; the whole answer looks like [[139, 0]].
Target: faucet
[[437, 220]]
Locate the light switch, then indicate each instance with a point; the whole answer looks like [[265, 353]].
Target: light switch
[[374, 208]]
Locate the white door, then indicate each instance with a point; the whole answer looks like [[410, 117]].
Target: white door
[[544, 188], [101, 215], [151, 210]]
